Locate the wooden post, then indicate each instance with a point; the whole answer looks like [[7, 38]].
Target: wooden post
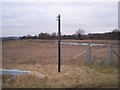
[[59, 40]]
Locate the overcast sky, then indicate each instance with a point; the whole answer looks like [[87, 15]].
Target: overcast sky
[[22, 18]]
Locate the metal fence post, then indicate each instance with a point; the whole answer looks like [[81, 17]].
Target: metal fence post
[[90, 61], [110, 54]]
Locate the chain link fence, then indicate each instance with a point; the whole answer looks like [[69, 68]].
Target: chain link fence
[[90, 53]]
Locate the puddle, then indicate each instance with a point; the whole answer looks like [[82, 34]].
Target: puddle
[[16, 72], [13, 72], [78, 43]]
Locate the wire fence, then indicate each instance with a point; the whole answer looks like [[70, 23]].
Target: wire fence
[[97, 54]]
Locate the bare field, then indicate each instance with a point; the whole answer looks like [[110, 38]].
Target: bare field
[[41, 56]]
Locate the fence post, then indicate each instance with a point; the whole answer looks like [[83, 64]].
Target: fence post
[[110, 54], [90, 61]]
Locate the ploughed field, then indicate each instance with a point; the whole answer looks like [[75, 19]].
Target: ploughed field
[[40, 57]]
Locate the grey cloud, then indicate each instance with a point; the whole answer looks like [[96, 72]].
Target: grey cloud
[[36, 17]]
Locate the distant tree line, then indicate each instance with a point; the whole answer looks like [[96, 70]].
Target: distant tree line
[[79, 35], [114, 35]]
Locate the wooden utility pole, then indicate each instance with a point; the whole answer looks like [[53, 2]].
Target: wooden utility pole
[[59, 40]]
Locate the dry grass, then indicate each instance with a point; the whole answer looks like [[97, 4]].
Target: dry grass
[[41, 56], [70, 77]]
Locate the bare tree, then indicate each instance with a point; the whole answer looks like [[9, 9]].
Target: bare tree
[[79, 33], [54, 34], [28, 35], [116, 30]]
